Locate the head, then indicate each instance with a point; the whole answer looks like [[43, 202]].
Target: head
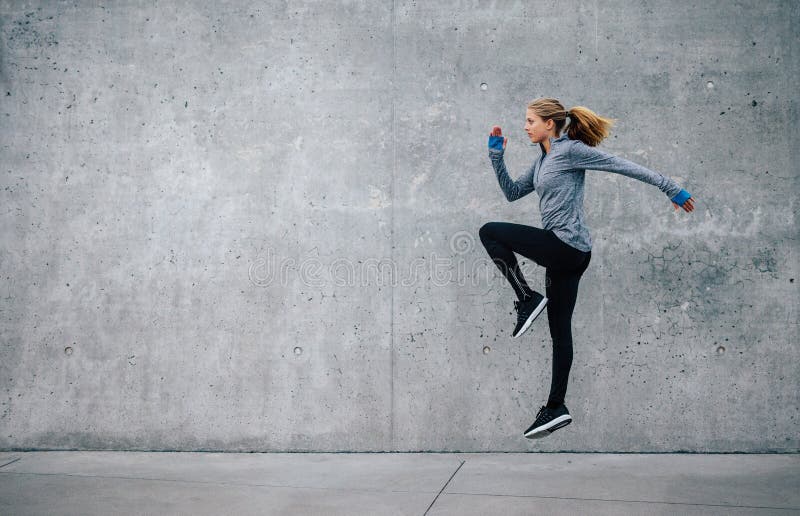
[[546, 117]]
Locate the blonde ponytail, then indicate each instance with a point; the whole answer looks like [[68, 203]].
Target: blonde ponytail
[[584, 124]]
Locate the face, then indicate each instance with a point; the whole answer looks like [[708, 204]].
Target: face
[[537, 129]]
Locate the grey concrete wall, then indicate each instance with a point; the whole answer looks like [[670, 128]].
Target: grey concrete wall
[[247, 226]]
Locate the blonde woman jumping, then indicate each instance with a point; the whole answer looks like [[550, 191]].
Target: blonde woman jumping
[[563, 246]]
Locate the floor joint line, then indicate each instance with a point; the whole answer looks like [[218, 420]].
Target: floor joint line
[[443, 487]]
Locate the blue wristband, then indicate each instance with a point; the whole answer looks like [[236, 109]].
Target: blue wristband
[[681, 197], [496, 142]]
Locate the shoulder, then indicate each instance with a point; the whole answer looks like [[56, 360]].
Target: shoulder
[[576, 144], [571, 145], [582, 149]]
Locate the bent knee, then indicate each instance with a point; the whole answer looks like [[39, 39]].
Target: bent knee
[[486, 231]]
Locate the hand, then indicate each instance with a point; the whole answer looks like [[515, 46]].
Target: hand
[[688, 204], [496, 131]]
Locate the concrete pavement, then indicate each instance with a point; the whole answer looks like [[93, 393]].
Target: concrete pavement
[[105, 482]]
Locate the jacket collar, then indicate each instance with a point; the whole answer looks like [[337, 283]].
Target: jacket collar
[[553, 139]]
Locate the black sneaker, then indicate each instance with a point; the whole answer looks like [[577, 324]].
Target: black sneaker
[[527, 312], [548, 421]]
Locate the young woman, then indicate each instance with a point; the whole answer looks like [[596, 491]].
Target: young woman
[[563, 246]]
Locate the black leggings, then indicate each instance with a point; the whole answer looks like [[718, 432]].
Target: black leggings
[[564, 267]]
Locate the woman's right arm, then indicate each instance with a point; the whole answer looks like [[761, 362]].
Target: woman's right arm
[[513, 190]]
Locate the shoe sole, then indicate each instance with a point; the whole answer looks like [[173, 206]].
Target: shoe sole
[[533, 316], [549, 428]]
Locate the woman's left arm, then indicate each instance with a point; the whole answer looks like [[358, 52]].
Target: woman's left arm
[[582, 156]]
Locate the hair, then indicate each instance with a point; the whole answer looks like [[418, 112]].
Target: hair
[[584, 125]]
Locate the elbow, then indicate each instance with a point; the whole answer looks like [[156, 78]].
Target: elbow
[[517, 193]]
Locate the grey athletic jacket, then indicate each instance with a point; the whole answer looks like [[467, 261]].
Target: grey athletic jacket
[[558, 177]]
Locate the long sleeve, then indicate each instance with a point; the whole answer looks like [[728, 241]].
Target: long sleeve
[[582, 156], [513, 190]]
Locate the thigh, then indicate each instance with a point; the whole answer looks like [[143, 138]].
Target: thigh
[[531, 242], [562, 290], [572, 260]]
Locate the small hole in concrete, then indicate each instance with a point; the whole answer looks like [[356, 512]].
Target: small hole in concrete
[[720, 350], [484, 86], [298, 350], [710, 85], [68, 350], [486, 350]]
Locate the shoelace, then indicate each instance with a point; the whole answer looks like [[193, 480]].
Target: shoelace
[[541, 412], [520, 315]]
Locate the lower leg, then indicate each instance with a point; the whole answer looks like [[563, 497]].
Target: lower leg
[[510, 269], [562, 290], [507, 262], [562, 363]]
